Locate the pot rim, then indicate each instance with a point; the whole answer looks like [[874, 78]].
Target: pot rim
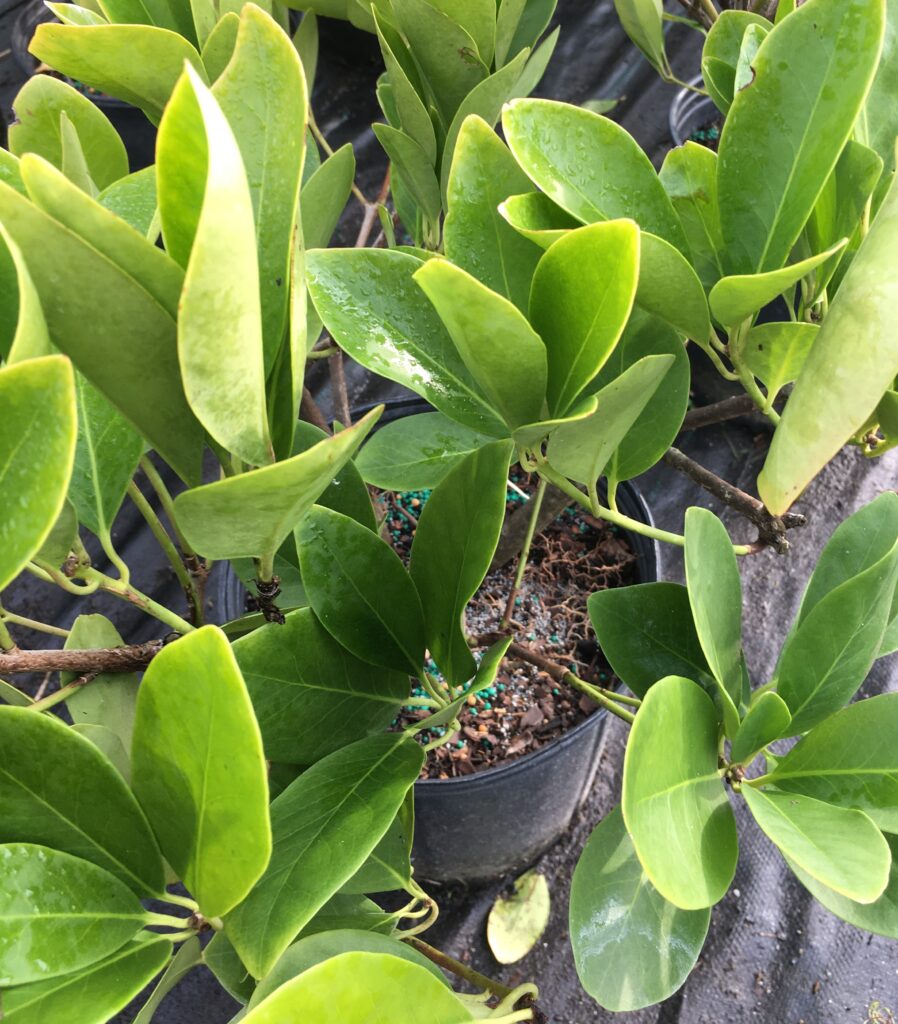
[[685, 103]]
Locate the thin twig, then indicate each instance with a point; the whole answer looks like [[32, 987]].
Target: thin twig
[[311, 413], [339, 392], [459, 969], [720, 412]]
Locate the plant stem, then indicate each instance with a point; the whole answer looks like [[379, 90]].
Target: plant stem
[[535, 506], [165, 921], [50, 574], [6, 641], [134, 658], [136, 597], [182, 901], [63, 693], [26, 623], [121, 566], [441, 699], [710, 10], [459, 969], [720, 412], [311, 413], [165, 499], [339, 391]]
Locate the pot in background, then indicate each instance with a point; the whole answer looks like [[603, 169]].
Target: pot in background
[[690, 111]]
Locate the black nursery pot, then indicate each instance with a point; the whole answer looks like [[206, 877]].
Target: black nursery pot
[[482, 826], [690, 111]]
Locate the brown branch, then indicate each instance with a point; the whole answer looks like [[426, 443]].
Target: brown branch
[[771, 529], [720, 412], [112, 659], [339, 392], [311, 413]]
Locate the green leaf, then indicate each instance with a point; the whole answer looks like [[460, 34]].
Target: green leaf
[[828, 655], [484, 677], [670, 289], [415, 167], [199, 771], [389, 865], [38, 108], [849, 759], [720, 54], [647, 632], [508, 17], [360, 591], [218, 49], [406, 88], [308, 952], [445, 52], [106, 457], [843, 373], [347, 492], [23, 329], [785, 131], [476, 237], [775, 353], [111, 698], [262, 92], [374, 987], [581, 450], [134, 200], [659, 423], [90, 996], [689, 177], [879, 917], [534, 21], [324, 196], [631, 946], [839, 847], [106, 741], [477, 18], [449, 560], [641, 20], [674, 804], [324, 826], [190, 955], [502, 352], [37, 446], [74, 164], [736, 298], [222, 960], [139, 64], [537, 218], [415, 453], [581, 326], [715, 595], [344, 910], [532, 435], [767, 720], [252, 514], [220, 341], [880, 118], [379, 316], [74, 280], [517, 921], [589, 166], [59, 914]]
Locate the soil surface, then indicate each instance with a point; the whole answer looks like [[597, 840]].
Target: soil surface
[[708, 134], [525, 708]]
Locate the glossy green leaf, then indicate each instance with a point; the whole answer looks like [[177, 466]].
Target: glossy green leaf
[[345, 910], [517, 921], [38, 108], [445, 52], [631, 946], [252, 514], [37, 446], [316, 949], [647, 632], [776, 352], [476, 237], [57, 789], [849, 759], [24, 328], [736, 298], [715, 595], [139, 64], [106, 457], [324, 197], [581, 450], [374, 987], [220, 341], [589, 166], [532, 435], [534, 21], [324, 826], [199, 771], [415, 167], [767, 720], [641, 20], [380, 317], [10, 694], [106, 741], [674, 804], [189, 955], [828, 655], [498, 346], [537, 218], [784, 132], [879, 917], [218, 48], [133, 198], [90, 996], [74, 163], [61, 538], [74, 280], [389, 865], [262, 92], [840, 847], [670, 289], [360, 591], [580, 326], [843, 373], [406, 88], [347, 492], [657, 426], [449, 561], [689, 177], [880, 117], [508, 17], [222, 960], [109, 699], [59, 913], [72, 14], [416, 452], [720, 54]]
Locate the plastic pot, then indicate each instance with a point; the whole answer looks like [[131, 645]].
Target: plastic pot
[[499, 820], [690, 111]]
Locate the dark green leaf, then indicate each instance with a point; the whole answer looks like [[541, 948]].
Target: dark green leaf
[[223, 961], [767, 720], [720, 54], [323, 198], [642, 21], [415, 167], [670, 289], [190, 955]]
